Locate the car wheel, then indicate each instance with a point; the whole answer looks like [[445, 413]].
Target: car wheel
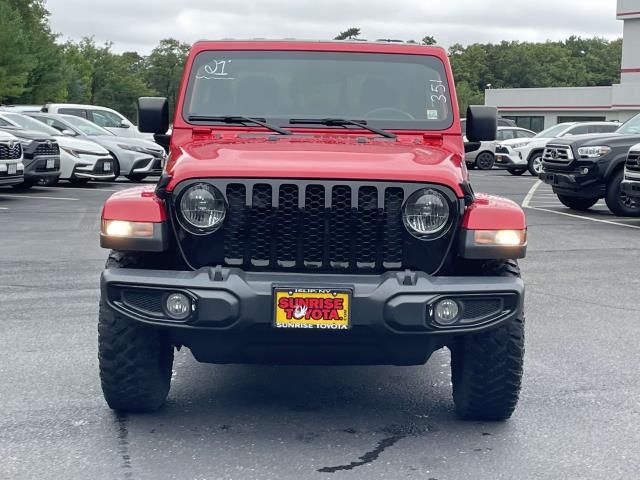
[[576, 203], [517, 172], [535, 164], [79, 181], [619, 202], [485, 160], [486, 368], [135, 361]]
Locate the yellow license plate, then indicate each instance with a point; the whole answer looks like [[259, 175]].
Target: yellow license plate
[[319, 308]]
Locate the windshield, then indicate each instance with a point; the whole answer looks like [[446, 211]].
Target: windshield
[[630, 127], [85, 126], [553, 132], [31, 124], [386, 91]]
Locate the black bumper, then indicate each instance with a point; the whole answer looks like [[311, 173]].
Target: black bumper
[[36, 168], [573, 183], [391, 314], [631, 188], [6, 180]]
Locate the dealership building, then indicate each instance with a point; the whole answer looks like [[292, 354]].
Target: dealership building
[[539, 108]]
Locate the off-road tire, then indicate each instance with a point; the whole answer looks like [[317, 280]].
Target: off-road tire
[[618, 202], [135, 361], [576, 203], [485, 161], [486, 368], [531, 164], [516, 172]]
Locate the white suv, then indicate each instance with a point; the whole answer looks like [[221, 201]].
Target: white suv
[[484, 156], [105, 117]]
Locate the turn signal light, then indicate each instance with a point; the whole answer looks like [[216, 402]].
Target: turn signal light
[[122, 228], [506, 238]]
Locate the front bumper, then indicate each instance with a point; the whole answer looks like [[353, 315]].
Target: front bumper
[[101, 169], [630, 188], [510, 160], [148, 166], [391, 314], [16, 177], [41, 167], [573, 182]]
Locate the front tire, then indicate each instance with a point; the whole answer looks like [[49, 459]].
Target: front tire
[[517, 172], [135, 361], [618, 202], [576, 203], [535, 164], [485, 161], [486, 368]]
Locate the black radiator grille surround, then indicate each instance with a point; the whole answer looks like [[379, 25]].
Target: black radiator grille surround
[[316, 226], [633, 161]]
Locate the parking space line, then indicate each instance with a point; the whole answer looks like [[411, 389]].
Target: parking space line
[[599, 220], [531, 193], [91, 189], [38, 196]]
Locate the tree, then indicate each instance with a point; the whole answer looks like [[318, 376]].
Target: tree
[[349, 34], [164, 66], [15, 64], [429, 40]]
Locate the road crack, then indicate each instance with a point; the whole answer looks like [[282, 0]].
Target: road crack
[[368, 457]]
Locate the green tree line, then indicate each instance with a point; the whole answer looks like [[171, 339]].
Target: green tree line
[[35, 67]]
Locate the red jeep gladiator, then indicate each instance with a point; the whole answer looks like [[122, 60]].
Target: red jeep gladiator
[[315, 209]]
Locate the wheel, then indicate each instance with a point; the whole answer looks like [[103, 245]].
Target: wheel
[[535, 164], [576, 203], [618, 202], [486, 368], [136, 178], [471, 166], [79, 181], [135, 361], [484, 161], [517, 172]]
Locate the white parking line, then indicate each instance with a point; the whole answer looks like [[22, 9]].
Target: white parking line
[[532, 191], [599, 220], [90, 189], [4, 208], [38, 196]]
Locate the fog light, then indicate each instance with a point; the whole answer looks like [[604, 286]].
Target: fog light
[[584, 170], [178, 306], [446, 312]]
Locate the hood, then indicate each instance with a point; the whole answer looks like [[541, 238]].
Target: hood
[[516, 141], [6, 136], [28, 134], [410, 160], [134, 142], [80, 144], [598, 139]]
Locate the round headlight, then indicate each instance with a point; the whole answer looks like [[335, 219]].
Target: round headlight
[[202, 208], [426, 213]]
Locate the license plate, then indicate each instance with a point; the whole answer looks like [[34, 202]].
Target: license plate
[[51, 163], [319, 308], [12, 169], [107, 167]]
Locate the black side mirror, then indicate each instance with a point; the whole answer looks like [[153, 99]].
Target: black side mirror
[[153, 115], [482, 123], [124, 124]]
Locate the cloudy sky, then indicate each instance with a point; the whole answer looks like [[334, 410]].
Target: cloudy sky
[[140, 24]]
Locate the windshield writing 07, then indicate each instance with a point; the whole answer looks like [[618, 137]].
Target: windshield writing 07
[[388, 91]]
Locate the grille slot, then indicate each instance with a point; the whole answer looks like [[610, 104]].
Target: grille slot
[[475, 309], [145, 301], [10, 153]]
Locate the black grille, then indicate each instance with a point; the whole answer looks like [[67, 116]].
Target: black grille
[[145, 301], [501, 149], [10, 153], [633, 162], [321, 230], [319, 226], [47, 148], [474, 309]]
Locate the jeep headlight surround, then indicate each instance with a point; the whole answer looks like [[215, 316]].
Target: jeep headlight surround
[[594, 152], [426, 214], [201, 209]]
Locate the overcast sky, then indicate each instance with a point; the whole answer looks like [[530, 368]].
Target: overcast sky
[[140, 24]]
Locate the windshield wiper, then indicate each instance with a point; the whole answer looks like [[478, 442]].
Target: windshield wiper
[[238, 119], [341, 122]]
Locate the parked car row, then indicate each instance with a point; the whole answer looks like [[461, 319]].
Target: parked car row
[[67, 147], [586, 168]]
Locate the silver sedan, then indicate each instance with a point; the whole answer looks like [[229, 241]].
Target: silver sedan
[[134, 158]]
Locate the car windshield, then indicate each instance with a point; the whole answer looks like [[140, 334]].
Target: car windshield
[[553, 132], [85, 126], [630, 127], [385, 91], [31, 124]]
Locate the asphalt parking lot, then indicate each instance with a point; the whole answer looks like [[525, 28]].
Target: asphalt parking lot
[[579, 415]]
